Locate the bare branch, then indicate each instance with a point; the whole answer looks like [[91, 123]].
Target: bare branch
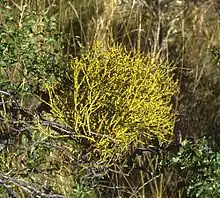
[[26, 187], [5, 93]]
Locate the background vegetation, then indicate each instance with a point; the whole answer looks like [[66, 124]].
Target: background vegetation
[[58, 88]]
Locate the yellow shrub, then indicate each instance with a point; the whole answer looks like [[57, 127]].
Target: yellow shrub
[[115, 99]]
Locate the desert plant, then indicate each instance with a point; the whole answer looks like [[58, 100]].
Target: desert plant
[[30, 48], [81, 191], [115, 101], [198, 164], [182, 31], [30, 55]]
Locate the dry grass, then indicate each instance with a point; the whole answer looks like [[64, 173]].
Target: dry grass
[[183, 32]]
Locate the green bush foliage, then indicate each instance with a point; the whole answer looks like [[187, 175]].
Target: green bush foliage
[[30, 55], [30, 50], [199, 165], [115, 100]]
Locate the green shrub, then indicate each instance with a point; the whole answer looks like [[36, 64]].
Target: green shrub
[[115, 100], [30, 49], [81, 191], [199, 165], [30, 55]]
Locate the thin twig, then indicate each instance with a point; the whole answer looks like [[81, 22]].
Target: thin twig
[[27, 188]]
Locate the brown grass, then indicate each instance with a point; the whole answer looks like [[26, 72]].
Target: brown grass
[[183, 32]]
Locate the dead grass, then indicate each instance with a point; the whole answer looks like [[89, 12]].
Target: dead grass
[[183, 32]]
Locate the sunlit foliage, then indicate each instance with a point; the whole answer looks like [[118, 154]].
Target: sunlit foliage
[[115, 99]]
